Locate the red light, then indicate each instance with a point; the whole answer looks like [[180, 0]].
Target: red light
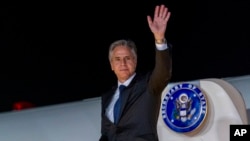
[[20, 105]]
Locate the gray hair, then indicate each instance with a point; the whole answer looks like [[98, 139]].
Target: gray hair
[[126, 43]]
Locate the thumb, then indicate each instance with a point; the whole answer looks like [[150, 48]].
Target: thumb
[[150, 22]]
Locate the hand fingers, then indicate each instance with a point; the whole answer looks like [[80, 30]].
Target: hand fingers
[[156, 11], [161, 11], [149, 21], [164, 12], [167, 17]]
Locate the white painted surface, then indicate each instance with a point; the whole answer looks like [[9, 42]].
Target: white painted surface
[[76, 121], [221, 113]]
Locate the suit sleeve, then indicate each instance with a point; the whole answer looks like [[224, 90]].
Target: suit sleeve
[[162, 71]]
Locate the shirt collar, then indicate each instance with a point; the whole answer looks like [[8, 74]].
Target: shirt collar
[[127, 82]]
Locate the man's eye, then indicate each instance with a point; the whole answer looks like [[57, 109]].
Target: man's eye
[[128, 58], [117, 59]]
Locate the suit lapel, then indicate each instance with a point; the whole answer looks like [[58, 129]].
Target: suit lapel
[[108, 97], [126, 94]]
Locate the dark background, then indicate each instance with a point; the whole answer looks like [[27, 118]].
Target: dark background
[[58, 52]]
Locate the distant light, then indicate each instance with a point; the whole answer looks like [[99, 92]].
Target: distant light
[[20, 105]]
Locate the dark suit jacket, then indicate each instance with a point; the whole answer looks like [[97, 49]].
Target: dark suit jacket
[[140, 106]]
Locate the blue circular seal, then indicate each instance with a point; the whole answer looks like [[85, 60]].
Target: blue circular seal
[[184, 108]]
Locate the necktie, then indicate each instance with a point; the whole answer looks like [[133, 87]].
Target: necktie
[[117, 107]]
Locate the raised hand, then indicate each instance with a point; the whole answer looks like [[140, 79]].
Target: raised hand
[[158, 24]]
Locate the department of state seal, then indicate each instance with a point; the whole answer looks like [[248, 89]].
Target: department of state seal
[[184, 108]]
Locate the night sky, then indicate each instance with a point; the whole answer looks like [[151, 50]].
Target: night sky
[[53, 53]]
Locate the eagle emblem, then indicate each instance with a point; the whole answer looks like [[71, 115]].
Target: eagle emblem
[[183, 110], [184, 107]]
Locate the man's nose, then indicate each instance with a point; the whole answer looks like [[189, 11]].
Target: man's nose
[[123, 61]]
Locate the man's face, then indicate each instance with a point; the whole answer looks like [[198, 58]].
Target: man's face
[[123, 63]]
